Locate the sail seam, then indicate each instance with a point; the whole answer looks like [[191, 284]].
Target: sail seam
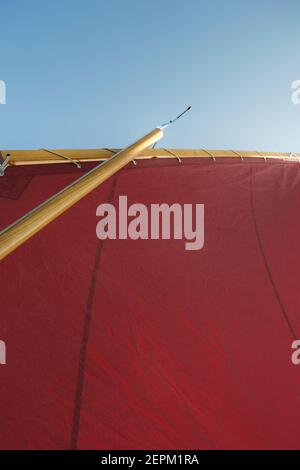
[[265, 260], [85, 337]]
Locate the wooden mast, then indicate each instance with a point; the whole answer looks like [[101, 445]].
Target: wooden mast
[[24, 228]]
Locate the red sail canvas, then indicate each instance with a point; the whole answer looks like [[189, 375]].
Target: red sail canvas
[[140, 344]]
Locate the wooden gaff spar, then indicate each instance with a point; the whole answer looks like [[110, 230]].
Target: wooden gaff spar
[[67, 156], [31, 223], [24, 228]]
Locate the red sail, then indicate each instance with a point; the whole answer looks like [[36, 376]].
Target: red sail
[[124, 344]]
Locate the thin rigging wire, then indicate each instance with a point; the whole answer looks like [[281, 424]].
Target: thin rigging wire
[[167, 124]]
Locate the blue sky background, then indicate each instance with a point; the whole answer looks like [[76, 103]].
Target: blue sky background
[[95, 73]]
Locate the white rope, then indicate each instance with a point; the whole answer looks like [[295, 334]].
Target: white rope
[[63, 156]]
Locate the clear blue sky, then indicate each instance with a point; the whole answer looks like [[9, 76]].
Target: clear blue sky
[[95, 73]]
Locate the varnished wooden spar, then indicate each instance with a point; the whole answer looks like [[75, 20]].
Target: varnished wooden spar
[[24, 228], [61, 156]]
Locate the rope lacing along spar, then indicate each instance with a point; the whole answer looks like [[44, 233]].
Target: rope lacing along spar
[[4, 165], [174, 154], [210, 154], [63, 156], [238, 154]]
